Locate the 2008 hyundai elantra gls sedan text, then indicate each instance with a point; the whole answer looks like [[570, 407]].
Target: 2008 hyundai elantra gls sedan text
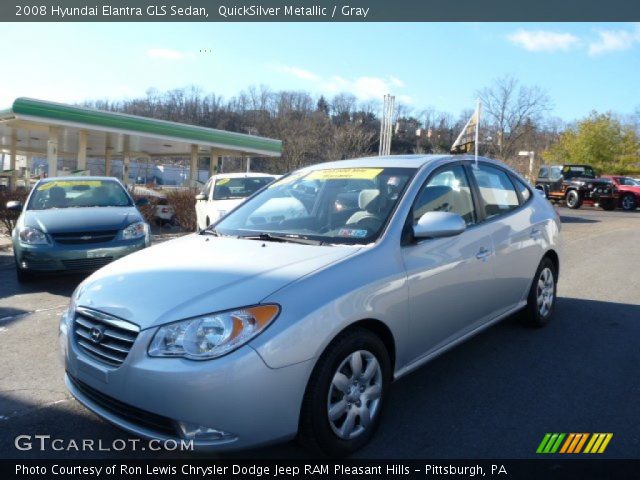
[[258, 329]]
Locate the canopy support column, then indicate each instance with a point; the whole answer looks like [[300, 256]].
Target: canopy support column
[[82, 150], [27, 171], [107, 162], [126, 158], [193, 171], [12, 162], [214, 162], [52, 152]]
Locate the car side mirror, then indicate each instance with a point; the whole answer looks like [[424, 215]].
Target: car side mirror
[[201, 196], [141, 202], [15, 206], [439, 224]]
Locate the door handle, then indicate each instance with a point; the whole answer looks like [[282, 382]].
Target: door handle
[[483, 254]]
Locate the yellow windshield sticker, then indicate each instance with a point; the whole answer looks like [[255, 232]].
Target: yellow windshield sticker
[[70, 184], [345, 174], [287, 180], [222, 181]]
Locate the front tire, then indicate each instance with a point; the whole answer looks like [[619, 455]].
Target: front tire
[[608, 205], [573, 199], [629, 202], [542, 296], [344, 398], [22, 275]]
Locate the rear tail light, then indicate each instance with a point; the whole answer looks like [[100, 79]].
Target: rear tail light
[[165, 210]]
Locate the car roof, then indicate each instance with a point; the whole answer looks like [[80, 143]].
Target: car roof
[[242, 175], [567, 165], [77, 177], [389, 161]]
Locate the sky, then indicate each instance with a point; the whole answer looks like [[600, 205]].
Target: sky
[[582, 66]]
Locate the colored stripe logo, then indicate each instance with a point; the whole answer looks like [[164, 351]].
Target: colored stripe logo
[[574, 443]]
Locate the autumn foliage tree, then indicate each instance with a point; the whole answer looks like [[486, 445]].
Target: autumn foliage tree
[[600, 140]]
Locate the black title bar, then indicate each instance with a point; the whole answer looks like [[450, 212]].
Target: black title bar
[[319, 11], [548, 469]]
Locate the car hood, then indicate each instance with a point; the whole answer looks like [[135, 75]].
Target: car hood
[[629, 188], [594, 181], [200, 274], [84, 219]]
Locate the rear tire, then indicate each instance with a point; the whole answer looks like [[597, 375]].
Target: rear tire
[[573, 199], [542, 296], [345, 396], [629, 202]]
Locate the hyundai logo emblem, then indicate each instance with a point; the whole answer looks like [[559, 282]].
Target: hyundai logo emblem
[[97, 334]]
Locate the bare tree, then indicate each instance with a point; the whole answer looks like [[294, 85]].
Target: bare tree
[[350, 141], [510, 109]]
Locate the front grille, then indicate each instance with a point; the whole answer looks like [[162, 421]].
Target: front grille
[[103, 337], [86, 263], [142, 418], [82, 238]]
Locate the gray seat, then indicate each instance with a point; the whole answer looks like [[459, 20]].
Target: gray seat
[[370, 203], [221, 192], [441, 198], [436, 198], [57, 198]]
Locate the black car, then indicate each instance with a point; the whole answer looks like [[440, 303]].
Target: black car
[[575, 185]]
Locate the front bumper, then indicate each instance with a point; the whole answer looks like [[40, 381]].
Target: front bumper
[[237, 394], [598, 194], [57, 258]]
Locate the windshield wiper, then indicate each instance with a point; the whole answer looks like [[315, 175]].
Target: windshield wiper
[[269, 237], [210, 231]]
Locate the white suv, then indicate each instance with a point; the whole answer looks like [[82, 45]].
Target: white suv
[[224, 192]]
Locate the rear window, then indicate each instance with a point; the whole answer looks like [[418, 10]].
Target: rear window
[[230, 188]]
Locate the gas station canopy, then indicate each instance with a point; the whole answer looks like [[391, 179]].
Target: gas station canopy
[[40, 128]]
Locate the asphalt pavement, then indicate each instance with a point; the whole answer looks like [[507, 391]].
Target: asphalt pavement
[[494, 396]]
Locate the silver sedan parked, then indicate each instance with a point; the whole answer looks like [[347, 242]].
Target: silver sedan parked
[[261, 328]]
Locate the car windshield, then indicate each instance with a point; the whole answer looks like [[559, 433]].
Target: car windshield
[[579, 171], [630, 182], [78, 193], [229, 188], [338, 205]]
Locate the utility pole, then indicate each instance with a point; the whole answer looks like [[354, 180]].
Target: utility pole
[[386, 125]]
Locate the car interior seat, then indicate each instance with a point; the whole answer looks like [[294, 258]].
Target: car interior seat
[[57, 198], [441, 198], [371, 205], [222, 192]]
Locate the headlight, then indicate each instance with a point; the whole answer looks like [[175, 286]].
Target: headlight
[[135, 230], [32, 236], [211, 336]]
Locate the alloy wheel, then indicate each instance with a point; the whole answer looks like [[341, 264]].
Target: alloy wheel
[[354, 395], [545, 291], [627, 202]]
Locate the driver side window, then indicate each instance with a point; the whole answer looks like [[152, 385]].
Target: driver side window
[[447, 191]]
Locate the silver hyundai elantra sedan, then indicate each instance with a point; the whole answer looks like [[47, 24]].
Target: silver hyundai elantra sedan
[[263, 327]]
